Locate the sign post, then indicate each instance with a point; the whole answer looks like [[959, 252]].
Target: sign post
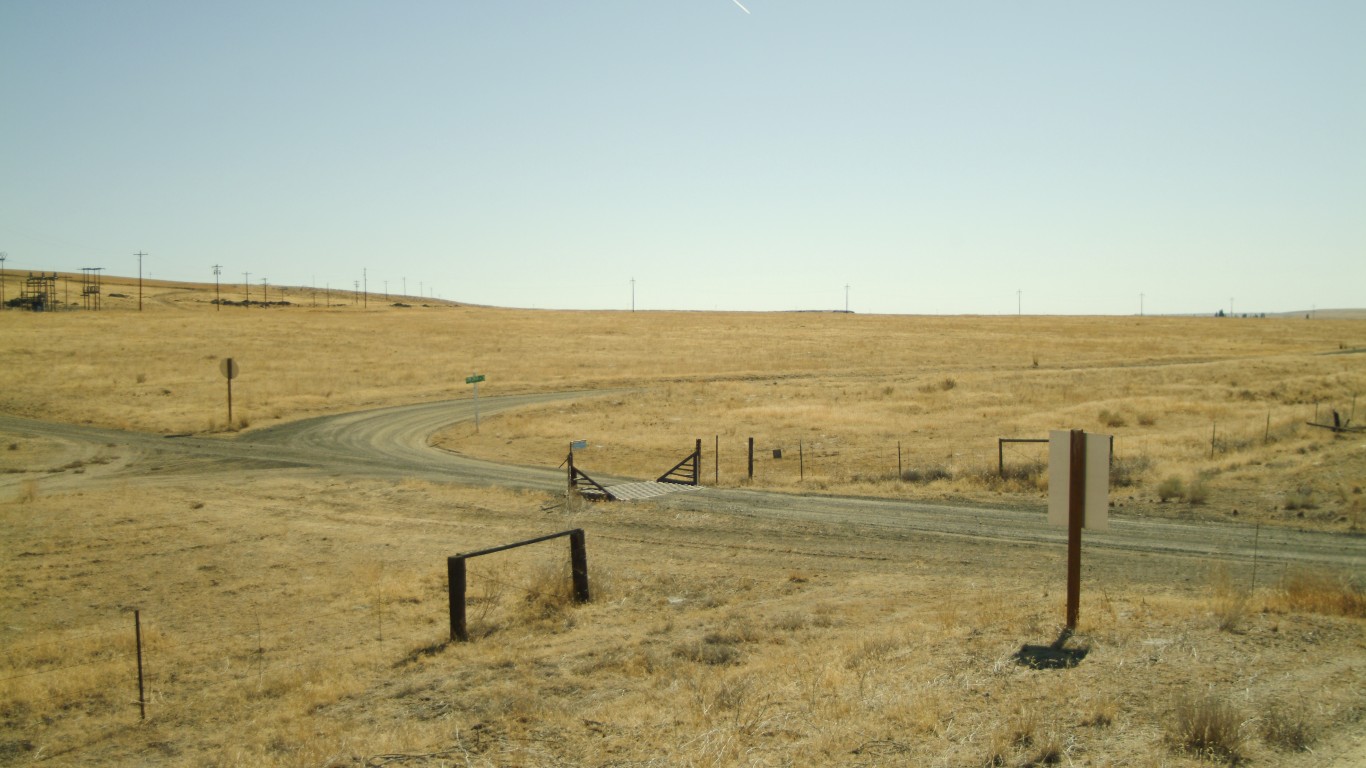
[[475, 379], [1078, 497], [229, 369]]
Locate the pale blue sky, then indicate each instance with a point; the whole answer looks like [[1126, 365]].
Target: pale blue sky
[[935, 157]]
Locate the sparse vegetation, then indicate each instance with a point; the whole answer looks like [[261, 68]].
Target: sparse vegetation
[[1111, 418]]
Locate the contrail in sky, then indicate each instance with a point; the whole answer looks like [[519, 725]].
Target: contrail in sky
[[743, 8]]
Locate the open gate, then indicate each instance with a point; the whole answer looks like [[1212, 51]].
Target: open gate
[[586, 486], [687, 471]]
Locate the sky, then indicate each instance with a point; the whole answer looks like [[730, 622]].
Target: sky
[[888, 156]]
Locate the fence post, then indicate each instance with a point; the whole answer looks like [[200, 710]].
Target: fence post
[[578, 559], [716, 460], [137, 634], [1000, 457], [1076, 511], [898, 460], [697, 464], [751, 458], [801, 462], [455, 579]]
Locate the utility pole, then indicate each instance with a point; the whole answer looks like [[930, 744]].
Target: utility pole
[[217, 298], [139, 254], [633, 294], [355, 292], [405, 287], [1019, 303], [246, 287], [3, 256], [1230, 306], [1140, 305], [265, 295], [365, 296], [846, 298], [386, 291]]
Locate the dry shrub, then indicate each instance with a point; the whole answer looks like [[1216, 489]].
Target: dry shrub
[[1288, 729], [1172, 487], [1230, 604], [1302, 498], [926, 475], [1320, 592], [1101, 713], [1111, 418], [549, 593], [1207, 726], [1014, 477], [1128, 471]]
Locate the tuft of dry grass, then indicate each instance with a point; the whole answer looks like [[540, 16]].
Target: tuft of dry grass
[[1321, 592], [1288, 729], [1208, 726]]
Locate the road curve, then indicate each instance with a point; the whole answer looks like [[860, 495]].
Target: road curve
[[395, 442]]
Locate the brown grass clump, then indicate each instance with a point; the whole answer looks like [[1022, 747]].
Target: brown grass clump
[[1209, 727], [1319, 592], [1288, 729]]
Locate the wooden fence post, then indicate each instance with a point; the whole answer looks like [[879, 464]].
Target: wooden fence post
[[455, 579], [578, 559]]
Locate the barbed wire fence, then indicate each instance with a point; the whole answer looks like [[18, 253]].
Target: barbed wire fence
[[79, 688]]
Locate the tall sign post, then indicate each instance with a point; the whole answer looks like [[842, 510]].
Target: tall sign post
[[229, 369], [475, 379], [1078, 497]]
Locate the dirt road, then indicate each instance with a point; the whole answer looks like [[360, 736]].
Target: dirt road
[[393, 442]]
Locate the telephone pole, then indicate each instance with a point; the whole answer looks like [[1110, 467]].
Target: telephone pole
[[217, 298], [365, 296], [139, 254], [246, 287], [846, 298], [633, 294], [1019, 303], [3, 256], [265, 294], [1140, 305]]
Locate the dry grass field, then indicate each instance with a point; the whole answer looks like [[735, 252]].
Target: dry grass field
[[1209, 414], [294, 619]]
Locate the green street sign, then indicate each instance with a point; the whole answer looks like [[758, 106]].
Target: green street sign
[[475, 379]]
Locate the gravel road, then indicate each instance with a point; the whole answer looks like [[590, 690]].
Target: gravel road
[[393, 442]]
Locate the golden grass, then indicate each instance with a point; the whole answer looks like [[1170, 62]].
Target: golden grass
[[292, 621], [297, 620], [1220, 404]]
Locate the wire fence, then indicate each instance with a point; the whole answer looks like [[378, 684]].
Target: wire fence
[[78, 686]]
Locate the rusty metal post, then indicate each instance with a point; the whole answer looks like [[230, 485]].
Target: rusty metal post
[[578, 560], [455, 578], [1076, 514], [751, 458], [137, 634], [697, 464], [573, 482], [1000, 457]]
